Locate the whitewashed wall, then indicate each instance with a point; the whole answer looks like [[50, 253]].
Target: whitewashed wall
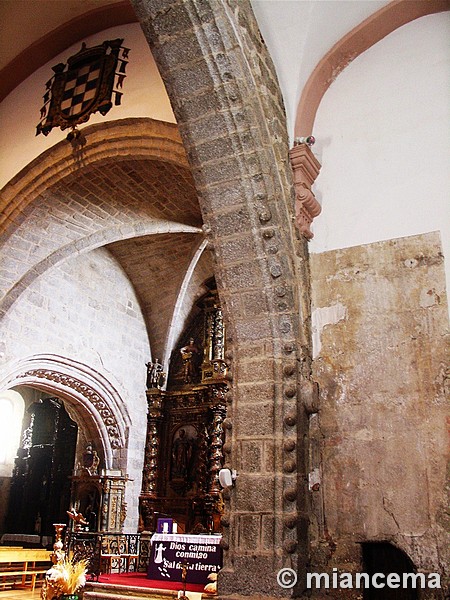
[[144, 95], [383, 131]]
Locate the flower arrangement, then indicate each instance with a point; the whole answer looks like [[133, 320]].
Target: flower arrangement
[[66, 577]]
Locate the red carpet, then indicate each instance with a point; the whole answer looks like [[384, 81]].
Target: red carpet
[[140, 580]]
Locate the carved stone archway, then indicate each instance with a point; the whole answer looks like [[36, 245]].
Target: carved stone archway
[[94, 399]]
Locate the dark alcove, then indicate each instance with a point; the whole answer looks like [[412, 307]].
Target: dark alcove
[[382, 557], [40, 488]]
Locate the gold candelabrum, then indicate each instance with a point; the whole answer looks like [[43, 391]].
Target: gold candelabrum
[[58, 551]]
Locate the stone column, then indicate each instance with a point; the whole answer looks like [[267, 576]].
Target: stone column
[[236, 142]]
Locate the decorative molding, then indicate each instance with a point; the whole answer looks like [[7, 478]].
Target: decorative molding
[[95, 399], [306, 167]]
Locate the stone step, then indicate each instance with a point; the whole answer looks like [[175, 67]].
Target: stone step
[[105, 591]]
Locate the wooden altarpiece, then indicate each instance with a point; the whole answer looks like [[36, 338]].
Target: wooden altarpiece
[[183, 454], [100, 498], [98, 494]]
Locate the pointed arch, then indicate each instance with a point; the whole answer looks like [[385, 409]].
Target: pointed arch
[[141, 138], [358, 40]]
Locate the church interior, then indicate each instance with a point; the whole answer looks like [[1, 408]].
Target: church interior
[[225, 252]]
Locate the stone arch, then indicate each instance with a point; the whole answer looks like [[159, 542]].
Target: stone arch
[[356, 42], [139, 138], [88, 243], [136, 137], [223, 90], [174, 328], [96, 402], [385, 557]]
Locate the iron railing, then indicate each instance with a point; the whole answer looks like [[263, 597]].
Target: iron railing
[[107, 552]]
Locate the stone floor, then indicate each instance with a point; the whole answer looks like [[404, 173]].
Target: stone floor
[[20, 594], [11, 594]]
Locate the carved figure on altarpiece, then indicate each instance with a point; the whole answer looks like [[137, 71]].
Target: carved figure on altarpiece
[[90, 461], [155, 376], [183, 458], [190, 354]]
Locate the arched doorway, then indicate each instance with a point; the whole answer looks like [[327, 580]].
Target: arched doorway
[[382, 557], [72, 451]]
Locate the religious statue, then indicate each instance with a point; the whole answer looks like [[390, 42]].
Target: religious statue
[[91, 518], [159, 553], [182, 450], [189, 355], [155, 375], [91, 461]]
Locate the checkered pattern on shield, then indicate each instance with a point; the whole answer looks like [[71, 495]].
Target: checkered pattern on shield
[[88, 83], [80, 89]]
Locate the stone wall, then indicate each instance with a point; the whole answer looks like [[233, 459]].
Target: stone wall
[[104, 330], [380, 439]]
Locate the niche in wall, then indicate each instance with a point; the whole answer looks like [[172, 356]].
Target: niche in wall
[[382, 557]]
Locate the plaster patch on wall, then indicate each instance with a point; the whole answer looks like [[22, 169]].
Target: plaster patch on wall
[[429, 298], [327, 315]]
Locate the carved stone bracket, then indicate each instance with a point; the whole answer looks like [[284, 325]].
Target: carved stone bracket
[[306, 168]]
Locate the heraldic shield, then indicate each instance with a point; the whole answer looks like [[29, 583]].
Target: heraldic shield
[[86, 86]]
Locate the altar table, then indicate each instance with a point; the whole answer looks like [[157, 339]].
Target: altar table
[[201, 553]]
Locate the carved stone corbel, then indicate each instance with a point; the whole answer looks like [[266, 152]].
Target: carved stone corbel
[[305, 167]]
